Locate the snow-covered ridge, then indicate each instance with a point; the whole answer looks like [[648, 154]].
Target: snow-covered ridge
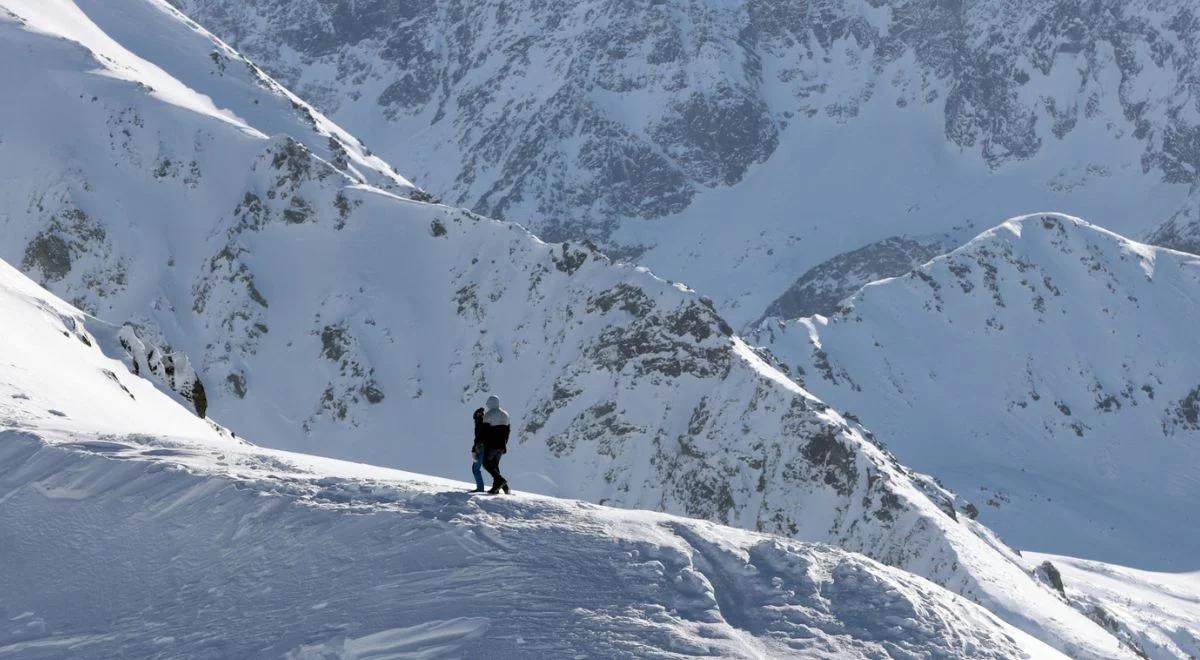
[[325, 314], [203, 546], [1044, 371], [341, 560], [153, 46]]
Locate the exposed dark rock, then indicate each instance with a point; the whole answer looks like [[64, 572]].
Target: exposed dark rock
[[158, 362], [1048, 573], [821, 288], [199, 398], [418, 195], [1186, 413], [372, 392], [833, 461], [237, 384], [570, 260], [334, 342], [49, 255], [625, 297]]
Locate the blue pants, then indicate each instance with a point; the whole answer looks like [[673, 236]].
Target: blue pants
[[477, 469]]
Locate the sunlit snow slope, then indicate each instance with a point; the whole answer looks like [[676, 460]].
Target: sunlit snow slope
[[1159, 613], [1046, 371], [131, 528]]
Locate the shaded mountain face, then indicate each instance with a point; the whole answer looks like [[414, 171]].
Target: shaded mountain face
[[736, 146], [325, 308], [819, 290], [108, 484], [1182, 230], [1044, 371]]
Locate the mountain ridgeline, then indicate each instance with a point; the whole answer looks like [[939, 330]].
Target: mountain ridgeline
[[736, 146], [1043, 370]]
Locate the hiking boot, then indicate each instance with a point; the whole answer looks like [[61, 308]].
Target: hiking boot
[[505, 487]]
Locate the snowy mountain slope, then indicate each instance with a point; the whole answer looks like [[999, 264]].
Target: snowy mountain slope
[[59, 372], [325, 314], [1046, 371], [1159, 612], [132, 528], [200, 74], [1182, 230], [735, 146]]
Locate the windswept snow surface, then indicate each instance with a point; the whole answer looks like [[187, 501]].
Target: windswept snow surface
[[1046, 371], [131, 528], [197, 550], [325, 313]]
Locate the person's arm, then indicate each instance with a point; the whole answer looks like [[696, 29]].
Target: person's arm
[[504, 431]]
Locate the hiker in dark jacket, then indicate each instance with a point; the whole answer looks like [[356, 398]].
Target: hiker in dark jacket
[[477, 451], [495, 442]]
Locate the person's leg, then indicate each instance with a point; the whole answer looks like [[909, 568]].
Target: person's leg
[[492, 465], [477, 469]]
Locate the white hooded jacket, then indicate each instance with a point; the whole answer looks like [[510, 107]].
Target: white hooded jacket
[[493, 414]]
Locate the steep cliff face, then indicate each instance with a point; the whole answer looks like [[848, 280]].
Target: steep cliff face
[[736, 146], [1045, 371], [326, 309]]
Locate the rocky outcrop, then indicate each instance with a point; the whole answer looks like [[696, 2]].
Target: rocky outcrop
[[169, 369], [819, 290]]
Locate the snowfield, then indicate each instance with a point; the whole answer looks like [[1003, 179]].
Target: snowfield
[[129, 527]]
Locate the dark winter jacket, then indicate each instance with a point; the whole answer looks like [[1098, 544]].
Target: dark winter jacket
[[495, 437], [479, 431], [495, 425]]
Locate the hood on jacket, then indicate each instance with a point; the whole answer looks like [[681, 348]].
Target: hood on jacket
[[494, 415]]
